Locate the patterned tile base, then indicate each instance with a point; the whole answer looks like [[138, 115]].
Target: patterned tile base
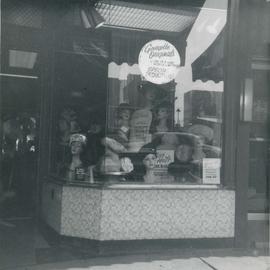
[[166, 214], [119, 214]]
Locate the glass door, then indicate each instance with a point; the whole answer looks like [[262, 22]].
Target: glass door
[[20, 107], [259, 150]]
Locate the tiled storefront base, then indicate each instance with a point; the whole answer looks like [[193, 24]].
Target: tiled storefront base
[[108, 214], [94, 248]]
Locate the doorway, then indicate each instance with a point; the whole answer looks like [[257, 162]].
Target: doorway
[[20, 106], [259, 157], [20, 118]]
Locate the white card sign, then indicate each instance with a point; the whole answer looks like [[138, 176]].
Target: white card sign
[[211, 171], [159, 61], [164, 158], [139, 129]]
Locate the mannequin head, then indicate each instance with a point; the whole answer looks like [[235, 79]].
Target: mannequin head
[[149, 161], [183, 153], [76, 148], [124, 111], [124, 114], [77, 143], [151, 93], [75, 169], [162, 113]]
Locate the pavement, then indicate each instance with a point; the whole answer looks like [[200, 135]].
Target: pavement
[[151, 262], [23, 248]]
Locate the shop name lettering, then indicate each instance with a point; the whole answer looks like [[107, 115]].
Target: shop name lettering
[[159, 51], [156, 72], [163, 63]]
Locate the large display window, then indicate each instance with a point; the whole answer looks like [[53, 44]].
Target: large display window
[[138, 93]]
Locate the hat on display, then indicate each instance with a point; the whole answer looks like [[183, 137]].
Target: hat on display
[[124, 106], [203, 131], [143, 153], [77, 137]]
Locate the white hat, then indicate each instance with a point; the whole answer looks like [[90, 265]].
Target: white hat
[[77, 138], [202, 130]]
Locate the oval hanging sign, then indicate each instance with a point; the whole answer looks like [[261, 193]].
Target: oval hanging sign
[[159, 61]]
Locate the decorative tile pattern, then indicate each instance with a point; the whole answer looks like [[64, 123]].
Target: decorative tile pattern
[[81, 212], [167, 214], [112, 214]]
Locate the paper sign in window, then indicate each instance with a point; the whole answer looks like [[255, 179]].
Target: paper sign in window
[[211, 170]]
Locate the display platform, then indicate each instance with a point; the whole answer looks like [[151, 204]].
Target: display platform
[[138, 211]]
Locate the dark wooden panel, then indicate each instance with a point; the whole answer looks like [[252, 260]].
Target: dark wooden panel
[[242, 175], [232, 87]]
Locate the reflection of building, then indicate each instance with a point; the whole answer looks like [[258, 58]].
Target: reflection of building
[[202, 106], [178, 123]]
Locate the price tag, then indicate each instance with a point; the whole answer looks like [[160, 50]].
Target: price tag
[[79, 174], [211, 171]]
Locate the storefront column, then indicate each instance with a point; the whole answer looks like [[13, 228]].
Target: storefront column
[[1, 124], [232, 96], [46, 84], [235, 132]]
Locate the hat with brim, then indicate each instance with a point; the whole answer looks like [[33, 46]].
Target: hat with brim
[[124, 106], [139, 156]]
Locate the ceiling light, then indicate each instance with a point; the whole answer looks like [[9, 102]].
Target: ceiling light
[[22, 59]]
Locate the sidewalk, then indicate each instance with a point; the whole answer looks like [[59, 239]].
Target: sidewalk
[[148, 262], [24, 248]]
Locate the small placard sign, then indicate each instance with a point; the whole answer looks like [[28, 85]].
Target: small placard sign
[[164, 158], [211, 171]]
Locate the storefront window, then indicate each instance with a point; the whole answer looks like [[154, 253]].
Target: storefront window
[[80, 90], [138, 94]]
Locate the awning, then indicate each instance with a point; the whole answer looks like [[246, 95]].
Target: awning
[[210, 65]]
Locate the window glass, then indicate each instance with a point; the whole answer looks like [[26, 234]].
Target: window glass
[[138, 97], [79, 109], [257, 109]]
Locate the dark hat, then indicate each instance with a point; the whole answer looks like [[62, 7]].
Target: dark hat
[[135, 156], [137, 159], [146, 151], [124, 106]]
